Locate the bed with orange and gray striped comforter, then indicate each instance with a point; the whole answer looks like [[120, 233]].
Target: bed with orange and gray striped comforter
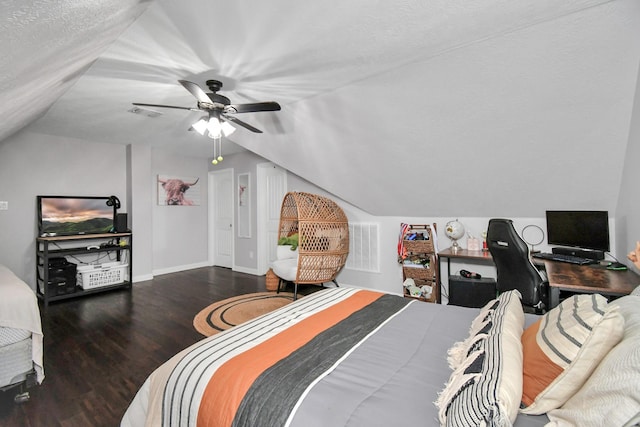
[[338, 357]]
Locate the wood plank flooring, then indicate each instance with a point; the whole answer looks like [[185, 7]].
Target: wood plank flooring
[[99, 350]]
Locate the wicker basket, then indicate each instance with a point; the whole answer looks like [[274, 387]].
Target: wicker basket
[[272, 281], [434, 294], [424, 272], [419, 273], [433, 298], [419, 245]]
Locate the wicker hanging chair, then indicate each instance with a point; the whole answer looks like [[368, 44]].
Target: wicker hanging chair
[[323, 239]]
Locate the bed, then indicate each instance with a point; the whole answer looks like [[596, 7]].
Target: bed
[[348, 357], [21, 339]]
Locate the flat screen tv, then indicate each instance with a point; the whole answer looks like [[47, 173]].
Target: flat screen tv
[[579, 229], [68, 216]]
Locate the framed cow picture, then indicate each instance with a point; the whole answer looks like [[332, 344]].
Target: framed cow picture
[[178, 191]]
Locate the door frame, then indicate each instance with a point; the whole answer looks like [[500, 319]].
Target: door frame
[[211, 221], [262, 194]]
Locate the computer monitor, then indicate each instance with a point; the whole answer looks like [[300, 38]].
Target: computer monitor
[[579, 229]]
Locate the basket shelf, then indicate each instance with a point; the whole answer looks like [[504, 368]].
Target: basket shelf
[[419, 260]]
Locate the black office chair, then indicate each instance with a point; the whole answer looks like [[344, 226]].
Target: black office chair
[[514, 267]]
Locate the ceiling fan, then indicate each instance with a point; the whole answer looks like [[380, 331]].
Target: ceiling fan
[[218, 106]]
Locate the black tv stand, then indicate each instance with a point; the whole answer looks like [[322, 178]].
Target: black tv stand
[[48, 248], [582, 253]]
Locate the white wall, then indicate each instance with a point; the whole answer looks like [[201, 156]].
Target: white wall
[[166, 238], [628, 209], [33, 164], [141, 202], [179, 232]]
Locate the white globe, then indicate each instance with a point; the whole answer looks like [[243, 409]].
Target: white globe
[[454, 230]]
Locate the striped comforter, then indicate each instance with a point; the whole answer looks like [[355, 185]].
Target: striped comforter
[[338, 357], [256, 374]]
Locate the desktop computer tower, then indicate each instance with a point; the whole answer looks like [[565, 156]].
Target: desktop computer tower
[[471, 292]]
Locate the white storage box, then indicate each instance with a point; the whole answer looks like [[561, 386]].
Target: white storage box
[[96, 276]]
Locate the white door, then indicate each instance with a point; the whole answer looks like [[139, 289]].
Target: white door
[[221, 218], [272, 187]]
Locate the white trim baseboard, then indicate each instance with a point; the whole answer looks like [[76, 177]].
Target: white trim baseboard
[[142, 278], [177, 268], [252, 271]]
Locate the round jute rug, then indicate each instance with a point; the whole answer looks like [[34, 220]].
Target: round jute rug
[[232, 311]]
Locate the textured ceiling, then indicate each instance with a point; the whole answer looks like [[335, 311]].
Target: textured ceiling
[[47, 45], [440, 108]]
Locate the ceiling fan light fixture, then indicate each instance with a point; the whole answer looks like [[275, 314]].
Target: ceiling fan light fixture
[[227, 129], [214, 128], [217, 128], [215, 123], [200, 126]]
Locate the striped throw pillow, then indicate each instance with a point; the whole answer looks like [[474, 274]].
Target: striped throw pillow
[[486, 385], [564, 347]]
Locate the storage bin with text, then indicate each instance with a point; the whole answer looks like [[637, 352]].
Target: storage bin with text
[[96, 276]]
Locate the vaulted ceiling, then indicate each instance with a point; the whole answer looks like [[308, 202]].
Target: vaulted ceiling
[[439, 108]]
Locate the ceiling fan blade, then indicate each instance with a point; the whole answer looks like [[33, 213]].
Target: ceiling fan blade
[[241, 123], [164, 106], [195, 90], [252, 107]]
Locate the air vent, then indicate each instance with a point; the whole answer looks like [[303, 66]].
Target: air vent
[[145, 112], [364, 247]]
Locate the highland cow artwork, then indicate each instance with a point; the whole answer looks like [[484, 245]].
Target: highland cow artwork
[[178, 191]]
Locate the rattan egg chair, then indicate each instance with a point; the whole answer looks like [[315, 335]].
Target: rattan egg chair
[[323, 239]]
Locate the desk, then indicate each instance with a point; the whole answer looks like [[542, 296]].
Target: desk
[[587, 279], [461, 254], [449, 253], [563, 276], [464, 254]]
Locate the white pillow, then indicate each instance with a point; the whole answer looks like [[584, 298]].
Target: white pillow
[[286, 269], [611, 396], [564, 347]]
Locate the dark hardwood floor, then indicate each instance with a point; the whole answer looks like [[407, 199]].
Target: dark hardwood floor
[[98, 350]]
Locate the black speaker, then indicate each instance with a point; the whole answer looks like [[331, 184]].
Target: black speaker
[[582, 253], [471, 292], [121, 223]]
